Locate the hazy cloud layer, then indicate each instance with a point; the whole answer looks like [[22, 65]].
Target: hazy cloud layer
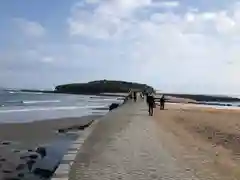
[[181, 46]]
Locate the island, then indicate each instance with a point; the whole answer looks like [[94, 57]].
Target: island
[[102, 86]]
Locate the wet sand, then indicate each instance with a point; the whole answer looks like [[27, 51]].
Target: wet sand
[[19, 142], [210, 138]]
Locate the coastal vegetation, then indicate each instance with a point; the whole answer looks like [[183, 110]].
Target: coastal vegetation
[[102, 86]]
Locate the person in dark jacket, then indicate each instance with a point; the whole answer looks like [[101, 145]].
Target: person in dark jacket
[[151, 103], [135, 96], [162, 102]]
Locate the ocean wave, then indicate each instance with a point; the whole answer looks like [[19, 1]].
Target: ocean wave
[[42, 109], [12, 92], [22, 102], [43, 101], [50, 108]]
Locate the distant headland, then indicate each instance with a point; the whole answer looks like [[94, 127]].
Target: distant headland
[[102, 86]]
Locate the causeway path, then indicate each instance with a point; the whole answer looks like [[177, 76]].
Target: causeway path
[[126, 145]]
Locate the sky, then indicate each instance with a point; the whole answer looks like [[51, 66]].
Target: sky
[[185, 46]]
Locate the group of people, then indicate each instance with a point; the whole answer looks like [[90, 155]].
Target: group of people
[[151, 103], [150, 100], [133, 95]]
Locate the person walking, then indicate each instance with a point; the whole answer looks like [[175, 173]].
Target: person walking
[[162, 102], [151, 103], [135, 96]]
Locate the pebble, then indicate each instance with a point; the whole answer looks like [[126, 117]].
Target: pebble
[[188, 169], [20, 167], [6, 143], [6, 171], [2, 159], [16, 150], [20, 175], [33, 156], [61, 131]]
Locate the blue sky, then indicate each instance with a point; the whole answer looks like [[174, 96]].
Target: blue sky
[[176, 46]]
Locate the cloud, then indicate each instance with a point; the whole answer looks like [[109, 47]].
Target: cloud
[[167, 4], [170, 44], [47, 59], [30, 28], [92, 1], [166, 45]]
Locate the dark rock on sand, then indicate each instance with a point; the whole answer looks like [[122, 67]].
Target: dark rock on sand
[[21, 175], [61, 130], [33, 156], [30, 164], [16, 151], [42, 151], [20, 167], [23, 157], [6, 143], [6, 171], [2, 159], [113, 106]]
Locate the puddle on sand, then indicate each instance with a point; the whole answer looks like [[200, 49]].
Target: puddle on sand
[[55, 151], [27, 164]]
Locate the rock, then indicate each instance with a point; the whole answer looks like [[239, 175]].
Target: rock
[[16, 151], [6, 142], [42, 151], [20, 167], [33, 156], [2, 159], [24, 157], [6, 171], [61, 130], [30, 164], [188, 169], [21, 175], [113, 106]]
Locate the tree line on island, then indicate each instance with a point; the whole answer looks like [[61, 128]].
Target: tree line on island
[[102, 86]]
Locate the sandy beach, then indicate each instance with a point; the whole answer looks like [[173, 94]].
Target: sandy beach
[[209, 137], [21, 143]]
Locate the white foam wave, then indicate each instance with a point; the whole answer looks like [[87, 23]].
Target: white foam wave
[[49, 109], [45, 101]]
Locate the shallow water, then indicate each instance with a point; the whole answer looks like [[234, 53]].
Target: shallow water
[[12, 153], [25, 107]]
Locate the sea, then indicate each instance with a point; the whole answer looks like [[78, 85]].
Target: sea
[[17, 106]]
